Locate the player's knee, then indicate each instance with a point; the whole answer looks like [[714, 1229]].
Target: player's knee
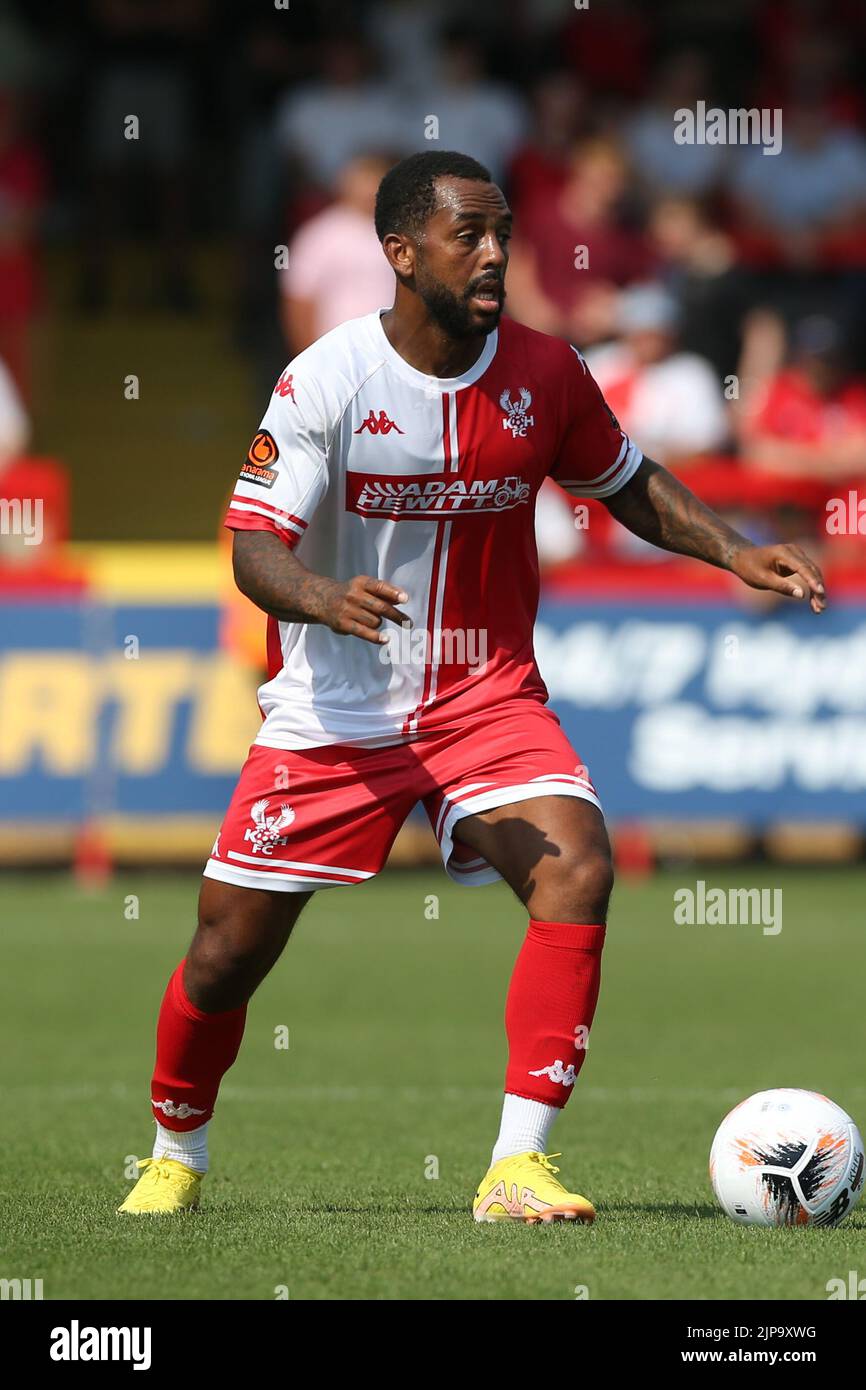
[[577, 887], [217, 961], [224, 962]]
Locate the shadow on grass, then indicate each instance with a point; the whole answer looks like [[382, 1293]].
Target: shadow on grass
[[280, 1205], [706, 1212], [374, 1209]]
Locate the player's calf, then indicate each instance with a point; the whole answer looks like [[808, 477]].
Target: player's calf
[[555, 854], [240, 934]]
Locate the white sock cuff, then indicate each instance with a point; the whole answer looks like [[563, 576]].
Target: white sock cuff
[[524, 1128], [188, 1146]]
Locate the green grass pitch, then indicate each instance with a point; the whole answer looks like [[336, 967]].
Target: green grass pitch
[[321, 1152]]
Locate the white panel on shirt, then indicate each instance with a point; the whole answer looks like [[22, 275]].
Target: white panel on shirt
[[334, 688]]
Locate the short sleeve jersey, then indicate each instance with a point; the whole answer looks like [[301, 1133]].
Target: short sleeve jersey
[[365, 465]]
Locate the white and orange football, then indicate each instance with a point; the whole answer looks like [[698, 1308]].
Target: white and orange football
[[787, 1158]]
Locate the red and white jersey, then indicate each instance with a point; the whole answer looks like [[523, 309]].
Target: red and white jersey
[[364, 465]]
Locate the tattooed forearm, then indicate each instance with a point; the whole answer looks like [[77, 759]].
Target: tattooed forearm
[[656, 506], [274, 578], [269, 573]]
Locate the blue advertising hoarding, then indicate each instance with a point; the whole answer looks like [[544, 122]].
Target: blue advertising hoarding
[[681, 711], [685, 711], [119, 709]]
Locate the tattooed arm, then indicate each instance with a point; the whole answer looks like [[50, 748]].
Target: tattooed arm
[[269, 573], [656, 506]]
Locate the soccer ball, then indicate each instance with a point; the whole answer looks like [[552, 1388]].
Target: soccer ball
[[787, 1158]]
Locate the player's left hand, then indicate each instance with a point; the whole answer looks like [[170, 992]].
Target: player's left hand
[[786, 569]]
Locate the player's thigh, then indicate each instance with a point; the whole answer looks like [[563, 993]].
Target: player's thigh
[[297, 820], [553, 851]]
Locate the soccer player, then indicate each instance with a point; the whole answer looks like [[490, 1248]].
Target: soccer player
[[392, 483]]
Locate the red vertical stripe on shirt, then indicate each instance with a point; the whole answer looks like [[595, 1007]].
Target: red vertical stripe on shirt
[[275, 648]]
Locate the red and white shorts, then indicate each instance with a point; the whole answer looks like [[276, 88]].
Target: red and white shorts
[[319, 817]]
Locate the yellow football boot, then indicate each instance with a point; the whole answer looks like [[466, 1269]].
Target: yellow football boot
[[165, 1185], [524, 1187]]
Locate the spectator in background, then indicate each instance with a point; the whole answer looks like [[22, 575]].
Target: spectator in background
[[792, 207], [337, 270], [609, 45], [813, 42], [698, 265], [810, 418], [557, 537], [404, 34], [14, 424], [570, 255], [479, 117], [540, 167], [40, 487], [661, 164], [670, 402], [22, 188], [327, 122]]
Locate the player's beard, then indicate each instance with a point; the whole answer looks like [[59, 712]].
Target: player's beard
[[451, 311]]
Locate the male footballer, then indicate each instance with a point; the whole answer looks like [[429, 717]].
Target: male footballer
[[390, 493]]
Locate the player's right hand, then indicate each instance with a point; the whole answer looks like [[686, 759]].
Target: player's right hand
[[356, 608]]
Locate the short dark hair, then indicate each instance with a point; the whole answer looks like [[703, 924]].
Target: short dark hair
[[407, 193]]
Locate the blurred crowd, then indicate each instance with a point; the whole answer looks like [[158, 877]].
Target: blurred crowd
[[718, 292]]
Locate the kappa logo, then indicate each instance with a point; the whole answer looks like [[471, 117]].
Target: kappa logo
[[267, 831], [284, 387], [517, 420], [378, 424], [557, 1072], [178, 1112]]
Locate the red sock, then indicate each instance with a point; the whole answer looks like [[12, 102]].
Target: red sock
[[551, 1001], [194, 1050]]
